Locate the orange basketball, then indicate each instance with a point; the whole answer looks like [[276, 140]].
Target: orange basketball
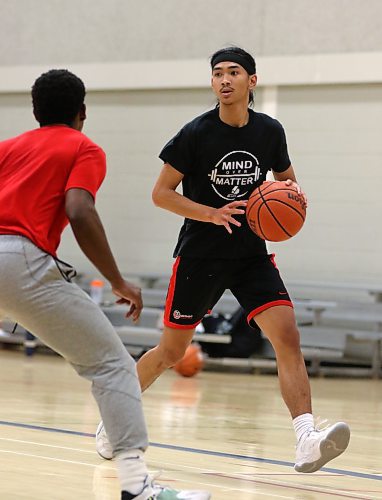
[[191, 363], [275, 211]]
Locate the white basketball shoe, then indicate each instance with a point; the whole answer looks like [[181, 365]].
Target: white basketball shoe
[[317, 447], [103, 446]]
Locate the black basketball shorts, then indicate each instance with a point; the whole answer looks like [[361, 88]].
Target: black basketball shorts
[[197, 284]]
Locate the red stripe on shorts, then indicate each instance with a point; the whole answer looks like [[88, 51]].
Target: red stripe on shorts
[[168, 323], [268, 305], [171, 291], [273, 260]]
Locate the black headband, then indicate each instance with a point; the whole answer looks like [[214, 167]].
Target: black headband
[[234, 57]]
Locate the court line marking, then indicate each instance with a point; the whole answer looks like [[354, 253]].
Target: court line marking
[[210, 474], [209, 484], [200, 451], [261, 479], [47, 445], [324, 491], [46, 429], [47, 458]]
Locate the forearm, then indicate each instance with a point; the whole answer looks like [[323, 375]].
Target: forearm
[[284, 176], [165, 196], [90, 235]]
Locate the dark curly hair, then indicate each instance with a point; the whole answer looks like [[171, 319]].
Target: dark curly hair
[[242, 57], [57, 97]]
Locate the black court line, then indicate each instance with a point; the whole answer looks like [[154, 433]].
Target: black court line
[[284, 463]]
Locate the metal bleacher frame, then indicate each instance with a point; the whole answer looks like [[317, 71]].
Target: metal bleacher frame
[[321, 343], [343, 338]]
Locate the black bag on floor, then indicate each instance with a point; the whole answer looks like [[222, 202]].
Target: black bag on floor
[[245, 340]]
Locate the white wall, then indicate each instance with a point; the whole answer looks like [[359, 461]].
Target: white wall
[[146, 68], [334, 135], [72, 31]]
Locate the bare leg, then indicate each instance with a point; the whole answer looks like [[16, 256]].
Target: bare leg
[[171, 349], [279, 325]]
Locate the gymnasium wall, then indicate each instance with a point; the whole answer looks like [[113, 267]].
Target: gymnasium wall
[[334, 135], [74, 31], [319, 73]]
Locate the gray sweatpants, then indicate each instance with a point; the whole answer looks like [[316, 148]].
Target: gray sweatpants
[[34, 293]]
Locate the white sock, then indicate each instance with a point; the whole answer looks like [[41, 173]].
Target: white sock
[[303, 423], [132, 470]]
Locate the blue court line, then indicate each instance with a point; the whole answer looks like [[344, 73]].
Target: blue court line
[[198, 450], [46, 429]]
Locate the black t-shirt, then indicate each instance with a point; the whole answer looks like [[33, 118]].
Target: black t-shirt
[[222, 164]]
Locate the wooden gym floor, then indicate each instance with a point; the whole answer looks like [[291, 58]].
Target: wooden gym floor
[[226, 432]]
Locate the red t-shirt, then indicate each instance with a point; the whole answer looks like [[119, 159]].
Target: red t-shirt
[[36, 170]]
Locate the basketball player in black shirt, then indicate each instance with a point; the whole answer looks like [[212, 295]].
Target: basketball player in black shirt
[[219, 158]]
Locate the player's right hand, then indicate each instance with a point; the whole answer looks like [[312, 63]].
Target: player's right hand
[[224, 216], [129, 294]]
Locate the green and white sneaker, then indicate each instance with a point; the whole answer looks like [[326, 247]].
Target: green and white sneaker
[[166, 493], [155, 491]]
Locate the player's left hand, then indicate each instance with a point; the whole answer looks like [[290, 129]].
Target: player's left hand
[[294, 184]]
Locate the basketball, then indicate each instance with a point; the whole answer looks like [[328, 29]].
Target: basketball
[[191, 363], [275, 211]]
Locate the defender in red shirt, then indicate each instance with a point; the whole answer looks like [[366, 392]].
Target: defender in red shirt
[[38, 168], [49, 177]]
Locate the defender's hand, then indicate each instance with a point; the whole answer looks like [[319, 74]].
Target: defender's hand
[[129, 294]]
